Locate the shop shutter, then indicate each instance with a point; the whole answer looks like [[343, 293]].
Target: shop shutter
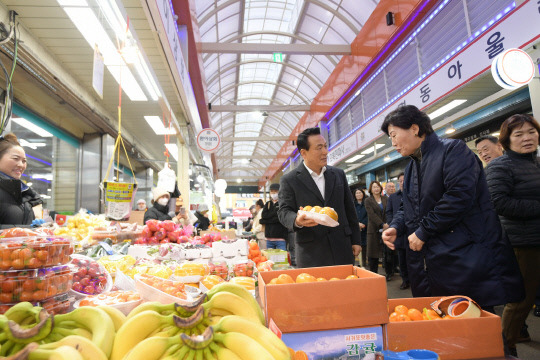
[[65, 170], [481, 12], [357, 111], [403, 70], [374, 95]]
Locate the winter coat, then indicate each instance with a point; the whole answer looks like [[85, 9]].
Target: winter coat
[[446, 204], [157, 212], [269, 218], [320, 245], [514, 183], [16, 204], [393, 206], [376, 219], [361, 214], [202, 222], [257, 228]]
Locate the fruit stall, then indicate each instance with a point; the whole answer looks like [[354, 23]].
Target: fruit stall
[[95, 290]]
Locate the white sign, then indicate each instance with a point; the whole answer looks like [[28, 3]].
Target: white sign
[[467, 62], [97, 74], [168, 23], [342, 150], [208, 140], [512, 68]]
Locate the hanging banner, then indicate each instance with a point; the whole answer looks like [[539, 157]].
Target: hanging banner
[[208, 140], [97, 74], [119, 200]]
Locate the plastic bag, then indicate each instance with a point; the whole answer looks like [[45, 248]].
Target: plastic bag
[[167, 179]]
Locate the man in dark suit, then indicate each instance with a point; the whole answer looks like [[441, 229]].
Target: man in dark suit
[[314, 183], [394, 204]]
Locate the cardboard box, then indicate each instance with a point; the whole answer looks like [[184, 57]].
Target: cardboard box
[[353, 344], [325, 305], [230, 249], [473, 338], [277, 256]]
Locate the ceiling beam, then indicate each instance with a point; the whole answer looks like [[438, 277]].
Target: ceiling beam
[[241, 157], [293, 49], [251, 108], [254, 138]]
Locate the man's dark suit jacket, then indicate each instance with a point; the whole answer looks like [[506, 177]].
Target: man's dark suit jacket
[[320, 245]]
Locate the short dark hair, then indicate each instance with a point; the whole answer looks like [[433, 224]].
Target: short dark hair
[[406, 116], [302, 140], [363, 193], [7, 142], [260, 203], [371, 186], [491, 138], [513, 122], [401, 174]]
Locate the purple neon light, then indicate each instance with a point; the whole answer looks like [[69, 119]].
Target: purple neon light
[[37, 159]]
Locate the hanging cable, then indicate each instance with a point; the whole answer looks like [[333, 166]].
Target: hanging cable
[[6, 98]]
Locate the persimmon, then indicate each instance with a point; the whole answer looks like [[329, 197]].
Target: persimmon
[[316, 209], [415, 315], [307, 208], [401, 309], [284, 279], [305, 277], [351, 277], [253, 245], [321, 279], [403, 317], [430, 314], [393, 317], [273, 281], [334, 279]]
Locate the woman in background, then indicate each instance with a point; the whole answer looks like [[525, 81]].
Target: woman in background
[[362, 215], [376, 211]]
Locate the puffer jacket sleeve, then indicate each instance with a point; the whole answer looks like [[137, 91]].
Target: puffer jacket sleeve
[[460, 176], [500, 179]]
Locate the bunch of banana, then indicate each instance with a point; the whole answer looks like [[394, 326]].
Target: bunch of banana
[[232, 338], [90, 331]]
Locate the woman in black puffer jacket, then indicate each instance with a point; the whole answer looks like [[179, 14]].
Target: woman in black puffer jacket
[[514, 180], [17, 200]]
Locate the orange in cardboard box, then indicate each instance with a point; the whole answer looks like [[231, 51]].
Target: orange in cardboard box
[[472, 338], [325, 305]]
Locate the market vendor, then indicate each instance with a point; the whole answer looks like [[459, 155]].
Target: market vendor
[[160, 209], [19, 203], [202, 222], [141, 205], [184, 216]]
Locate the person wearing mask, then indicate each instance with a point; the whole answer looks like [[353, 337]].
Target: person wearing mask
[[141, 205], [275, 233], [361, 214], [19, 203], [257, 228], [510, 178], [488, 148], [376, 210], [455, 240], [315, 183], [160, 208], [394, 204], [203, 222]]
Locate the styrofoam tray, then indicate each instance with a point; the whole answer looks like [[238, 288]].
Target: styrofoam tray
[[125, 308], [150, 293], [321, 219]]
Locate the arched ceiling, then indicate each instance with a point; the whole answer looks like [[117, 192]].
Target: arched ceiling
[[311, 35]]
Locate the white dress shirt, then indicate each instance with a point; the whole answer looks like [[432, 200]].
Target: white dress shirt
[[319, 179]]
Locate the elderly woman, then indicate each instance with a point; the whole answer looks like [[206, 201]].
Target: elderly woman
[[456, 245], [513, 180], [17, 200]]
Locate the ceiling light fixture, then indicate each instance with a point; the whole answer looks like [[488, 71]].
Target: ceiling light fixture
[[387, 158], [446, 108], [450, 129], [239, 180], [371, 149], [354, 158], [31, 145], [32, 127], [157, 125], [29, 183]]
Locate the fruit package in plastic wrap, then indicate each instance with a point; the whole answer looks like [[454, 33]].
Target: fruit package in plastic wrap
[[243, 268], [209, 281], [125, 301], [89, 277], [165, 291], [219, 268], [117, 262], [58, 304]]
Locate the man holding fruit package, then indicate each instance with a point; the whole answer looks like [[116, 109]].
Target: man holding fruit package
[[317, 185]]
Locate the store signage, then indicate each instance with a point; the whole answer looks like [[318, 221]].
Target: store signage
[[346, 147], [512, 68], [168, 33], [463, 65], [97, 74], [278, 57], [208, 140]]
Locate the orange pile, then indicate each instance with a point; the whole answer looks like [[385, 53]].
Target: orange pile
[[173, 288], [402, 313], [303, 278], [255, 253]]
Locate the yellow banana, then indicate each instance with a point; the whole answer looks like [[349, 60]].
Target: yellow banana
[[118, 318], [257, 332], [222, 353], [151, 349], [232, 303], [95, 320], [242, 345], [240, 291], [153, 306], [87, 349], [66, 353], [23, 311], [138, 328]]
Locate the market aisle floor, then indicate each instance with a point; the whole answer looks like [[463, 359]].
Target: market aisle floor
[[526, 351]]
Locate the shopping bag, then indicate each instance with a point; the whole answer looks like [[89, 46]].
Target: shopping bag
[[118, 200]]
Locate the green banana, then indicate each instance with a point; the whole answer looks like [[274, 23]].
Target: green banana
[[26, 335], [87, 349], [23, 353], [208, 354], [222, 353], [138, 328], [234, 304], [22, 311], [6, 348], [257, 332], [242, 345], [151, 349], [239, 291], [118, 318], [95, 320]]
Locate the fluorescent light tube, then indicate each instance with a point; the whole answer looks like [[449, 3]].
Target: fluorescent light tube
[[446, 108], [157, 125], [72, 3], [371, 149], [32, 127], [31, 145], [354, 158]]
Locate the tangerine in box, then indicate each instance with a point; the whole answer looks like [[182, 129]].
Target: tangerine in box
[[325, 305], [472, 338]]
